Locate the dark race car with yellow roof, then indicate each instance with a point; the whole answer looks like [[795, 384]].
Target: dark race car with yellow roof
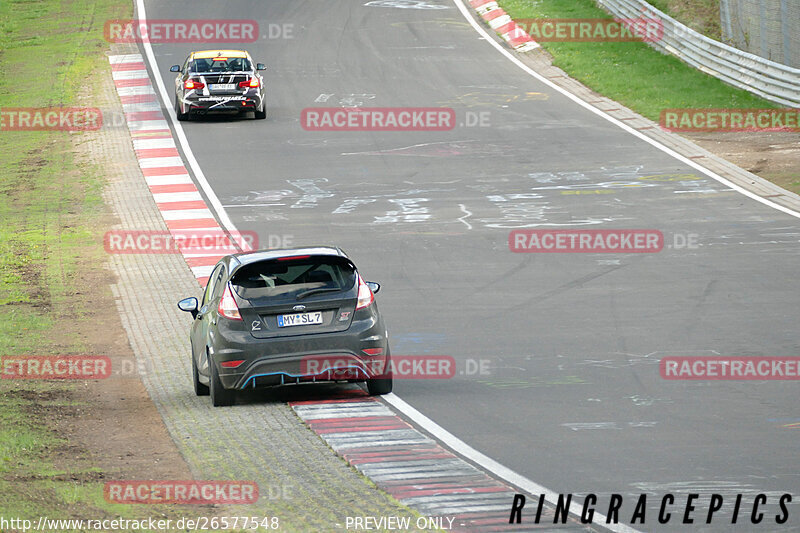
[[219, 81]]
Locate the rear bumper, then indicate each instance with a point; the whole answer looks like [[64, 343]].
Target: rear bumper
[[222, 103], [308, 368], [320, 357]]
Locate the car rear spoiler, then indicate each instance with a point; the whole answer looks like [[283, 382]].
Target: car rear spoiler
[[344, 259]]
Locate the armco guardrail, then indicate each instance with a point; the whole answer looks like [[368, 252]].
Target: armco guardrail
[[773, 81]]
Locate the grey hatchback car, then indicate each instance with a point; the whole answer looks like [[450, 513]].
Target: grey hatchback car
[[284, 317]]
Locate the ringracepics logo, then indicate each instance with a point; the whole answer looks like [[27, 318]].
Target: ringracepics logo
[[181, 492], [55, 367], [730, 368], [208, 241], [671, 509], [587, 241], [181, 31], [378, 119], [593, 30], [730, 120], [50, 118]]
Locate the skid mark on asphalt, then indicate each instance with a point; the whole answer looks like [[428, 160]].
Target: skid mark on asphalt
[[412, 467]]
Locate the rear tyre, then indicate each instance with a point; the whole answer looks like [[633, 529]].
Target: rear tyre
[[181, 116], [261, 114], [380, 386], [220, 396], [199, 388]]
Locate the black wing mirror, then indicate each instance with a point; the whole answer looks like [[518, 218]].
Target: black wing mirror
[[175, 68], [374, 287], [189, 305]]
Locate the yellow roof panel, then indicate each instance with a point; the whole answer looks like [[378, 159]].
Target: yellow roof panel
[[206, 54]]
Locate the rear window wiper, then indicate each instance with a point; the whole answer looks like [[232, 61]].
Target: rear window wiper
[[314, 291]]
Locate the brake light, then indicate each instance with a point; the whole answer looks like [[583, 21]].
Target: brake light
[[293, 257], [252, 82], [372, 351], [365, 296], [232, 364], [227, 305], [193, 84]]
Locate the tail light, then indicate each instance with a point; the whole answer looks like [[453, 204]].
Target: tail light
[[227, 305], [232, 364], [365, 296], [193, 84], [252, 82]]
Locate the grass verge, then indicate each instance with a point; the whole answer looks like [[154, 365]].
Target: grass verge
[[700, 15], [630, 73], [50, 255]]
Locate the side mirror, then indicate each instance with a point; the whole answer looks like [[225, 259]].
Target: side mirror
[[189, 305], [374, 287], [175, 68], [261, 66]]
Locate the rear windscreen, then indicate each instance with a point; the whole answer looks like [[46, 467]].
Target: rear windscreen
[[220, 64], [288, 279]]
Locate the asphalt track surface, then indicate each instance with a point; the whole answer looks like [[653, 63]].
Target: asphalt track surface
[[573, 397]]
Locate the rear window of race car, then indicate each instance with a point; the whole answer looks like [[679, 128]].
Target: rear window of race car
[[220, 64]]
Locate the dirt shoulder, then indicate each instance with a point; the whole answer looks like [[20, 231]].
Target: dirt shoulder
[[770, 155]]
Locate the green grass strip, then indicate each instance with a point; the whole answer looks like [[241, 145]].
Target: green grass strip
[[631, 73]]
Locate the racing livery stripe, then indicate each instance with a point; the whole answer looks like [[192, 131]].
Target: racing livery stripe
[[412, 467], [175, 194]]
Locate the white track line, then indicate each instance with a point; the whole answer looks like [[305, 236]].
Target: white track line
[[216, 205], [490, 465], [669, 151], [429, 425]]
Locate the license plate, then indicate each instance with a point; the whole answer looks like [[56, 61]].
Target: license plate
[[222, 86], [300, 319]]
